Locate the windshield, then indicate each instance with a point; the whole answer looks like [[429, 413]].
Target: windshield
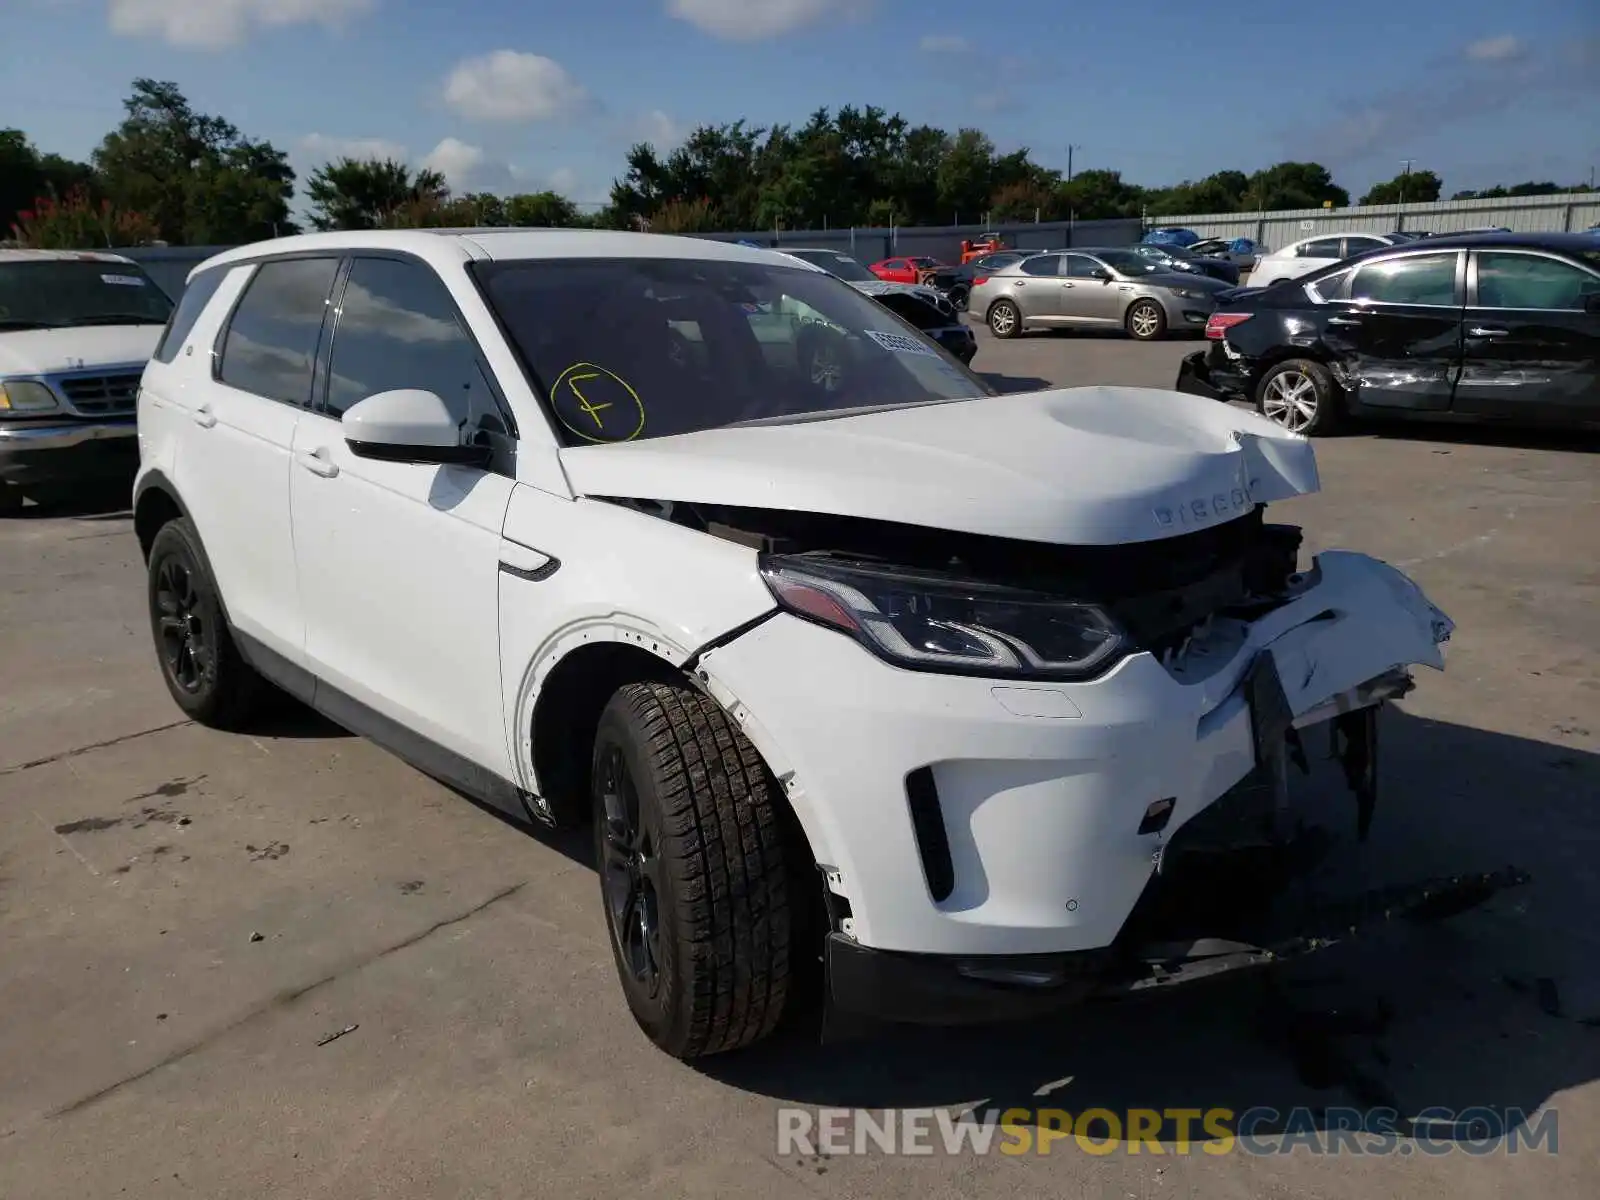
[[840, 266], [624, 349], [1128, 262], [53, 293]]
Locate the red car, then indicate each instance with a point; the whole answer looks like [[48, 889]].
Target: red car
[[905, 270]]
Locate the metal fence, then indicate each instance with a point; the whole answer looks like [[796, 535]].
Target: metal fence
[[943, 242], [1567, 212]]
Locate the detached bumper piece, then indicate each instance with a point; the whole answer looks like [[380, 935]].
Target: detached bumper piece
[[1194, 378], [1168, 964]]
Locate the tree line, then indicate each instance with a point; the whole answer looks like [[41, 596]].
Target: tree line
[[171, 174]]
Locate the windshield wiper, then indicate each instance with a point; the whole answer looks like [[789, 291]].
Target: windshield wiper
[[14, 323], [829, 414], [119, 319]]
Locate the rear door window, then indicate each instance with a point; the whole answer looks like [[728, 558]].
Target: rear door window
[[1531, 281], [271, 343], [1043, 264]]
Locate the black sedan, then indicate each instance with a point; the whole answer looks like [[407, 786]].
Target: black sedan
[[1174, 258], [1490, 326]]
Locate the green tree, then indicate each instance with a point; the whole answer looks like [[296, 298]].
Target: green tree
[[196, 176], [27, 176], [1406, 188], [541, 210], [375, 194], [1290, 185], [1098, 194]]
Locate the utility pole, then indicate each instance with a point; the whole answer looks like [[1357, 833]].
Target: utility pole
[[1405, 175], [1070, 149]]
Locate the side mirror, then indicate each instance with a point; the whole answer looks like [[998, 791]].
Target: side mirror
[[1591, 303], [408, 425], [1100, 273]]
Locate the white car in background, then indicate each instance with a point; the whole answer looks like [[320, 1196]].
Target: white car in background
[[1310, 254]]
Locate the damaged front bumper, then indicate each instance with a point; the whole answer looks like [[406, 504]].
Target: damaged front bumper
[[966, 825]]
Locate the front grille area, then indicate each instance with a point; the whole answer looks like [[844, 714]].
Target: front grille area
[[101, 395]]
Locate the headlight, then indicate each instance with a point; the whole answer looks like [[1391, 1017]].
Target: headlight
[[1190, 294], [25, 396], [932, 622]]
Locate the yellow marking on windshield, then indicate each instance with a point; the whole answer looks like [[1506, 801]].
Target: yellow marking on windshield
[[565, 391]]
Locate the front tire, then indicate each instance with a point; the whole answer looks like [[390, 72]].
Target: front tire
[[1300, 395], [1146, 321], [693, 871], [200, 664], [1004, 320]]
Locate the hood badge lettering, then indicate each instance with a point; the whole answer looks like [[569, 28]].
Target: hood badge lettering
[[1203, 510]]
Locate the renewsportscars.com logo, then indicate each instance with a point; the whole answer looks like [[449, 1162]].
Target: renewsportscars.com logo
[[1262, 1130]]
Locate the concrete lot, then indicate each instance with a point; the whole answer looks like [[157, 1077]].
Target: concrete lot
[[152, 1045]]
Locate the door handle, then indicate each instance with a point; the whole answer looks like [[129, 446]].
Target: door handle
[[1480, 331], [204, 417], [1344, 320], [318, 462]]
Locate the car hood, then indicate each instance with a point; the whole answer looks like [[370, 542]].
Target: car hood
[[1078, 466], [1195, 281], [82, 348], [882, 287]]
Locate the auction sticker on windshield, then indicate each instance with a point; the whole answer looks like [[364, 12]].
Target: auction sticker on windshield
[[123, 280]]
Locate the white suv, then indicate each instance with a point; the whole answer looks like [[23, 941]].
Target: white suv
[[564, 519]]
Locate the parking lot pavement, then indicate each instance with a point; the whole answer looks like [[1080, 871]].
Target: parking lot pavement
[[285, 965]]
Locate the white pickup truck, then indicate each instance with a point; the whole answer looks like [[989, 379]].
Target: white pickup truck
[[76, 330]]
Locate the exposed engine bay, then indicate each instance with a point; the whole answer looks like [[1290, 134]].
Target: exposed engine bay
[[1159, 591]]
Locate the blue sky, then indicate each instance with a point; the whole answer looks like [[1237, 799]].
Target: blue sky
[[524, 94]]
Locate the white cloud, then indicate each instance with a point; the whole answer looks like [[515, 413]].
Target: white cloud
[[455, 160], [509, 85], [660, 130], [943, 43], [755, 20], [214, 24], [321, 148], [1497, 49]]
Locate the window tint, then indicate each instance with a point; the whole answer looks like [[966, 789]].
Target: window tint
[[195, 298], [1081, 266], [1532, 281], [271, 342], [1355, 245], [398, 329], [1321, 248], [1043, 264], [1419, 279]]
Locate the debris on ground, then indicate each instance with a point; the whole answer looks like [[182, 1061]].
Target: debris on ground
[[258, 937], [337, 1034]]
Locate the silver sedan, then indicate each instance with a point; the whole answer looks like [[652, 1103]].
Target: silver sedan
[[1093, 289]]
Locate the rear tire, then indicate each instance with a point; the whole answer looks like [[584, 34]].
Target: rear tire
[[693, 870], [10, 499], [1146, 321], [200, 664], [1300, 395], [1003, 319]]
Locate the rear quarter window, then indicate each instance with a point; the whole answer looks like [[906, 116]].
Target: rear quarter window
[[195, 298]]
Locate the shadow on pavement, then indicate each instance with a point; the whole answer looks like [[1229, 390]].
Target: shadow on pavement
[[1491, 1010]]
